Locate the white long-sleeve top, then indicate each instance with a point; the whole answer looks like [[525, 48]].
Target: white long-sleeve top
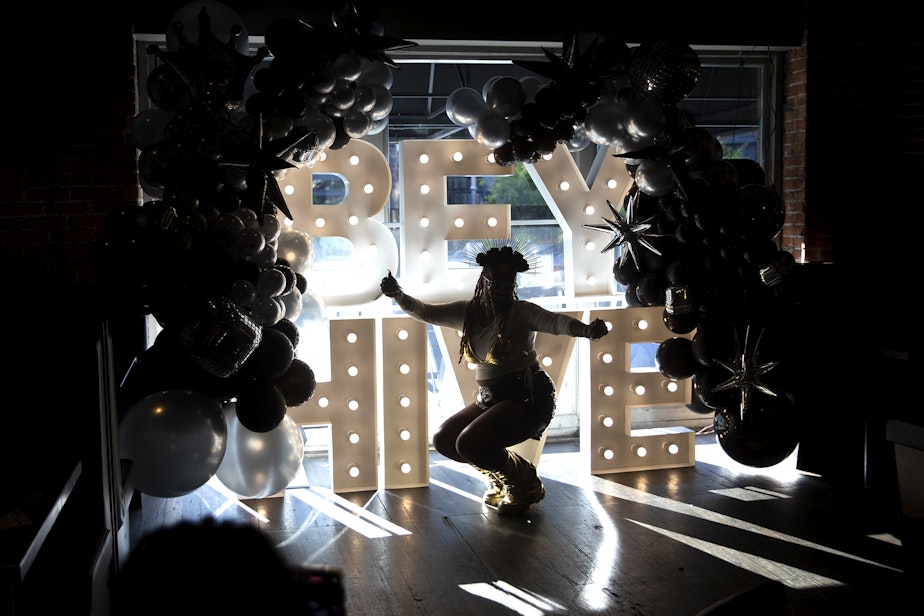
[[525, 320]]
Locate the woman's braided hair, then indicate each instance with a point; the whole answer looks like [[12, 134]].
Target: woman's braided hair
[[504, 257]]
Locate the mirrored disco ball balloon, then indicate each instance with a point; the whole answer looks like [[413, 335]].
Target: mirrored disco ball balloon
[[664, 70]]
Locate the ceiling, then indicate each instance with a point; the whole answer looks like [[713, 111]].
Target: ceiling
[[492, 36]]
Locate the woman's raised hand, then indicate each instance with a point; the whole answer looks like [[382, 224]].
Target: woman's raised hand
[[597, 329], [390, 286]]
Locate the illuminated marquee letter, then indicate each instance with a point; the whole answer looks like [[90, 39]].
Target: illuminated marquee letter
[[430, 221], [607, 438], [368, 180], [574, 205], [348, 404]]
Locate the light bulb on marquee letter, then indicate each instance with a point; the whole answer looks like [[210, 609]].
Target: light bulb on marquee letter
[[357, 282]]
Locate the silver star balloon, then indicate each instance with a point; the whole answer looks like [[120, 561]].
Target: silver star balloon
[[627, 233], [746, 374]]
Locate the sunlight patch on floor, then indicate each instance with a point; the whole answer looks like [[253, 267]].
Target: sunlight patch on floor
[[517, 600], [790, 576]]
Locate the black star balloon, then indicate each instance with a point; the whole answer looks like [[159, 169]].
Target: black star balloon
[[261, 163]]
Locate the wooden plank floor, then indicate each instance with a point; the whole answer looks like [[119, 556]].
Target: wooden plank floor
[[663, 542]]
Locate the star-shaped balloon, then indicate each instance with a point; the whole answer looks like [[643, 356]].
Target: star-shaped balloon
[[747, 372], [263, 160], [214, 67], [572, 68], [627, 233], [354, 31]]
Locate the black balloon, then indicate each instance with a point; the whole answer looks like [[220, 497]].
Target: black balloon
[[675, 358], [705, 381], [260, 407], [297, 384], [766, 436]]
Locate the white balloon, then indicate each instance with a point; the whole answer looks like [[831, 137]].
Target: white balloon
[[175, 439], [260, 464]]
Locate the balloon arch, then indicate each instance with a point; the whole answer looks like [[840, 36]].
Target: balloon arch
[[209, 259]]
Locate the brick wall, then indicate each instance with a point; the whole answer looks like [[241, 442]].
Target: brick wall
[[794, 111], [66, 156]]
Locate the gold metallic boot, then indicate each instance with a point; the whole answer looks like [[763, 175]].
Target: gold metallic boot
[[496, 490], [522, 484]]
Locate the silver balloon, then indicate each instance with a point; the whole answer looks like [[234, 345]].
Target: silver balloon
[[176, 441], [655, 178], [492, 130], [356, 124], [605, 122], [383, 101], [465, 106], [295, 246], [322, 126], [505, 96], [293, 304], [260, 464], [646, 119]]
